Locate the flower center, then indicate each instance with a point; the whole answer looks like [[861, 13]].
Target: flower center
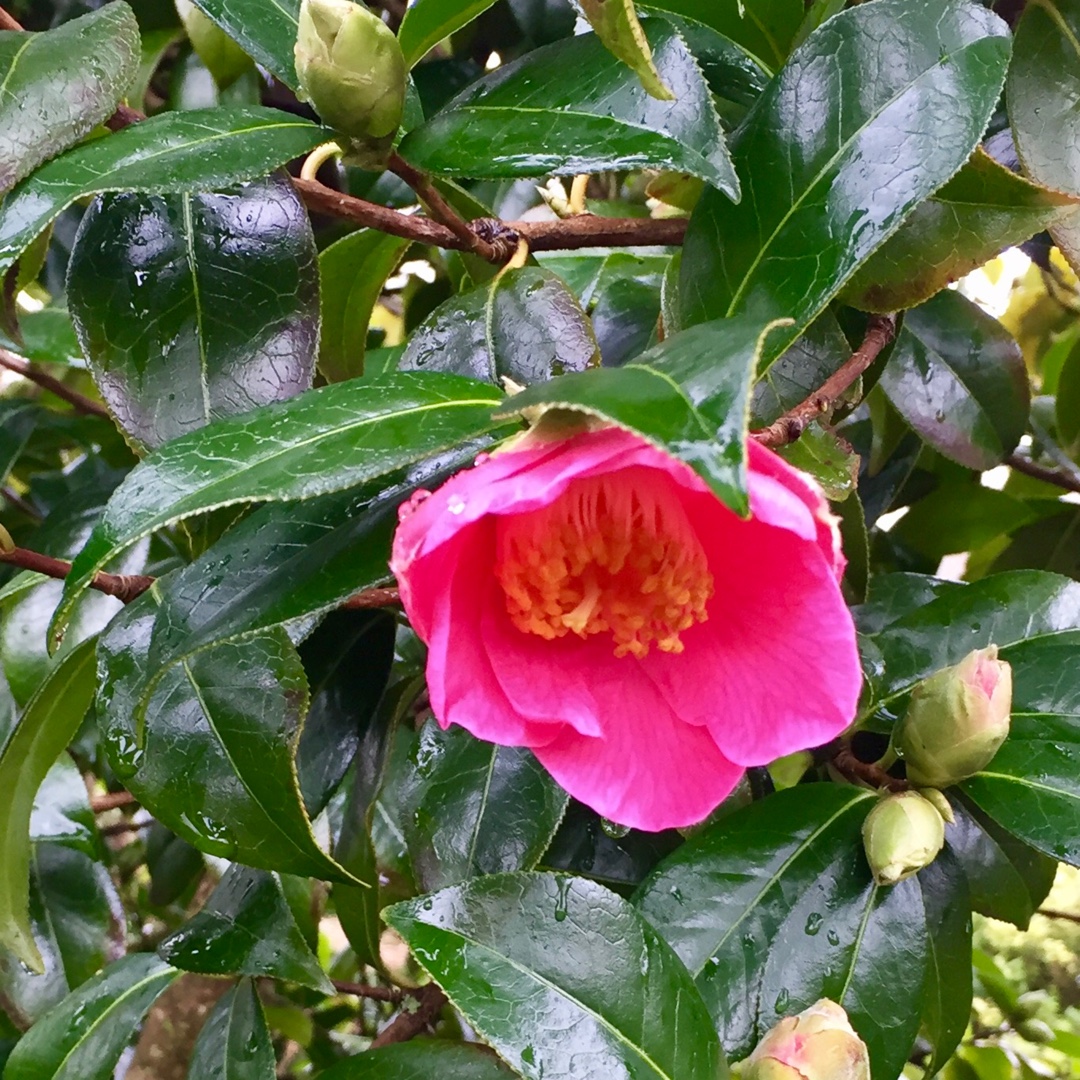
[[606, 557]]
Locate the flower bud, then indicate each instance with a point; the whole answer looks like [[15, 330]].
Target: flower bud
[[902, 834], [351, 68], [956, 721], [224, 59], [818, 1044]]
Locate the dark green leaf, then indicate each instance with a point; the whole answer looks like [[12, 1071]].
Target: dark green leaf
[[958, 378], [17, 422], [173, 864], [1067, 404], [191, 308], [688, 395], [246, 928], [210, 751], [472, 807], [552, 970], [947, 998], [1044, 81], [421, 1060], [327, 440], [427, 22], [29, 750], [86, 1033], [234, 1043], [982, 210], [874, 111], [353, 271], [174, 152], [625, 315], [266, 31], [524, 325], [773, 908], [572, 107], [56, 86], [892, 596]]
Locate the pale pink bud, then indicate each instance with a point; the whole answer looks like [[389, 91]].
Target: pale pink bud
[[818, 1044]]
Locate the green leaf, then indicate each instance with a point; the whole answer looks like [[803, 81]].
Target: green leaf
[[62, 813], [982, 210], [427, 22], [234, 1043], [947, 997], [246, 928], [264, 29], [530, 961], [773, 908], [873, 112], [220, 314], [86, 1033], [688, 395], [29, 750], [174, 152], [1044, 81], [524, 325], [56, 86], [472, 807], [421, 1060], [353, 271], [327, 440], [211, 750], [572, 107], [958, 378], [827, 458], [1067, 404], [616, 24], [17, 422], [892, 596]]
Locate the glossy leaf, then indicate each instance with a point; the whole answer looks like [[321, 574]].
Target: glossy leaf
[[86, 1033], [984, 209], [773, 907], [203, 150], [211, 750], [264, 29], [572, 107], [191, 308], [234, 1043], [29, 750], [688, 395], [245, 928], [554, 971], [1044, 80], [472, 807], [421, 1060], [57, 86], [616, 24], [327, 440], [353, 271], [427, 22], [873, 112], [524, 325], [62, 813], [958, 378]]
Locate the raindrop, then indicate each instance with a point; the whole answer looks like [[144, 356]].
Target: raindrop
[[613, 829], [813, 923], [455, 504], [833, 937], [676, 895], [562, 898], [783, 999]]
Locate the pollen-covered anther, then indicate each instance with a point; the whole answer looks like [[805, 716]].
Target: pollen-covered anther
[[606, 558]]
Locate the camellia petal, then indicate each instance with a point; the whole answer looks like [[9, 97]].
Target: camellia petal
[[591, 598]]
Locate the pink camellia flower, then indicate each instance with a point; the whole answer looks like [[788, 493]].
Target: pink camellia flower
[[590, 598]]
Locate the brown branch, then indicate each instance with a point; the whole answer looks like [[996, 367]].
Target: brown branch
[[32, 372], [7, 22], [376, 993], [1065, 915], [1041, 472], [120, 828], [124, 587], [880, 330], [847, 764], [112, 800], [373, 598], [408, 1024]]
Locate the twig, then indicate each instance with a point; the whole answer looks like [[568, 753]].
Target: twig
[[16, 500], [124, 587], [1041, 472], [880, 330], [373, 598], [7, 22], [847, 764], [376, 993], [1066, 915], [32, 372], [119, 828], [408, 1024], [112, 800]]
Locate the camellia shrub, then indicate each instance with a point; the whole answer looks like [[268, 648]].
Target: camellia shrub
[[526, 549]]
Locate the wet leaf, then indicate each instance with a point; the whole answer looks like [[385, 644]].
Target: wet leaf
[[427, 22], [422, 1060], [616, 24], [266, 31], [234, 1043]]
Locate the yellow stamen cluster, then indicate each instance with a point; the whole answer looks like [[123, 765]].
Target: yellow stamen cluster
[[613, 554]]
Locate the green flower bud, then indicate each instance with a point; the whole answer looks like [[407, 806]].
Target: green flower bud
[[956, 721], [902, 834], [352, 70], [818, 1044], [224, 59]]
